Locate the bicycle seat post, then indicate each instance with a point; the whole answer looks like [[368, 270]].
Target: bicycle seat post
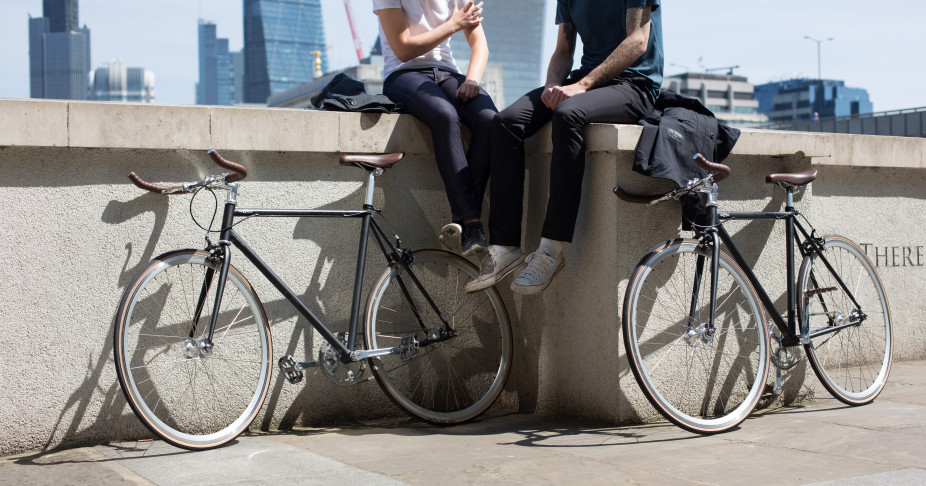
[[371, 184]]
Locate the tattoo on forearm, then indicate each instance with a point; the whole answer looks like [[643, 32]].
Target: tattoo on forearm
[[569, 36]]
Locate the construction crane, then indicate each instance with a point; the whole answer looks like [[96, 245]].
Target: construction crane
[[729, 69], [353, 31]]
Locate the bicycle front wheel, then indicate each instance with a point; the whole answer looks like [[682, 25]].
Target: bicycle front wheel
[[452, 377], [849, 346], [705, 382], [190, 395]]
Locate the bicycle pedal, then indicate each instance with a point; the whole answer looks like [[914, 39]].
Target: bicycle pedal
[[409, 347], [288, 368]]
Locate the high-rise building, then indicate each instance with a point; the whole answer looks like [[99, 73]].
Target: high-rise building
[[61, 14], [728, 96], [59, 53], [514, 29], [115, 82], [280, 40], [216, 84], [809, 99]]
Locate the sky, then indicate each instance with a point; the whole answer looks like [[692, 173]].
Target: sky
[[876, 47]]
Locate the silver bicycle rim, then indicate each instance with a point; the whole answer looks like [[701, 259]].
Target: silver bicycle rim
[[176, 391]]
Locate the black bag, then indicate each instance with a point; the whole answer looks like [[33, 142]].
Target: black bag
[[344, 93]]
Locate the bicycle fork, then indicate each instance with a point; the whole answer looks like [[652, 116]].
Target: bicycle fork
[[221, 255]]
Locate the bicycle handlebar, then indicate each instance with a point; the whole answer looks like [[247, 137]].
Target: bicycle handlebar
[[238, 172], [718, 172]]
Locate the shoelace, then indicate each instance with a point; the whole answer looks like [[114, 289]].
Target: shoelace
[[537, 265]]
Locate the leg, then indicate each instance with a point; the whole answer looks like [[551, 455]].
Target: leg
[[620, 102], [506, 195], [477, 114], [423, 98]]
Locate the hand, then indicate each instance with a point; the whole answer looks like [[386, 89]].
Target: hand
[[468, 90], [467, 18], [555, 94]]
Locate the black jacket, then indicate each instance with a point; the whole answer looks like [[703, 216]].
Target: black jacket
[[678, 128], [344, 93]]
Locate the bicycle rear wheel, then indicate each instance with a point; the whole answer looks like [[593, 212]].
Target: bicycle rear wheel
[[853, 362], [701, 382], [187, 394], [448, 381]]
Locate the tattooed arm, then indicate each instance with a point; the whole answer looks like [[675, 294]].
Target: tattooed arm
[[560, 64], [626, 53]]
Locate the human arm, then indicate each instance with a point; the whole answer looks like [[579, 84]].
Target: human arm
[[407, 46], [623, 56], [479, 56], [560, 64]]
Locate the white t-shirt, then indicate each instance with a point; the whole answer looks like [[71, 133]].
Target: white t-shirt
[[422, 15]]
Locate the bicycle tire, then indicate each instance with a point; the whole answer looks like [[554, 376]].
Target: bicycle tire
[[853, 363], [448, 382], [191, 398], [703, 386]]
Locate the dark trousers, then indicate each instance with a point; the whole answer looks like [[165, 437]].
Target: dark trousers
[[621, 101], [430, 95]]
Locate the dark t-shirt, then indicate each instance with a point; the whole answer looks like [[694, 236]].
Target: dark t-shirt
[[602, 26]]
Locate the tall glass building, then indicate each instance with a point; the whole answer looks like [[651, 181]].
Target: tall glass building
[[59, 53], [61, 15], [280, 40], [216, 84], [514, 30]]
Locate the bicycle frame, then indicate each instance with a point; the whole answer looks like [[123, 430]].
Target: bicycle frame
[[795, 235], [392, 253]]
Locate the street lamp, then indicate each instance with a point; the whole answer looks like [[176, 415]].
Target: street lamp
[[819, 69]]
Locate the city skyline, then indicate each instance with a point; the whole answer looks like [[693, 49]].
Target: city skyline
[[871, 47]]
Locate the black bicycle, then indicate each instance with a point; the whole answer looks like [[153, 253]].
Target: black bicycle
[[694, 328], [193, 346]]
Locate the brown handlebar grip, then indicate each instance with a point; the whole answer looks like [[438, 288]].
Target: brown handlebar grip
[[146, 185], [635, 198], [238, 171], [719, 170]]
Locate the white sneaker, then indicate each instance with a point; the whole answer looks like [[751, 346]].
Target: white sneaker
[[495, 267], [540, 270], [450, 237]]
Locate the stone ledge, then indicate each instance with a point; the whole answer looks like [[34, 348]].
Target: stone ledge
[[47, 123]]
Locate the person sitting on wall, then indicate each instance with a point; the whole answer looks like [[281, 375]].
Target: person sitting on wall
[[421, 73], [618, 82]]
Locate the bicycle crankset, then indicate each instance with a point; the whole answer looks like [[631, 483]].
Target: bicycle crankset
[[783, 357], [344, 374]]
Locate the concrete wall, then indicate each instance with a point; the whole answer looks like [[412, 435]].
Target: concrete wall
[[75, 232]]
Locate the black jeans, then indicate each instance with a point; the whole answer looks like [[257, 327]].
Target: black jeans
[[621, 101], [430, 95]]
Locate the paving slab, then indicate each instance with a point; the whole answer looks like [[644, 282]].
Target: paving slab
[[825, 442], [251, 460]]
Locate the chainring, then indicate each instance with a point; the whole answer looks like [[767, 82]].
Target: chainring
[[784, 358], [343, 374]]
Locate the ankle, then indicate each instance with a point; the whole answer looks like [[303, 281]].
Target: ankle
[[554, 247], [500, 249]]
